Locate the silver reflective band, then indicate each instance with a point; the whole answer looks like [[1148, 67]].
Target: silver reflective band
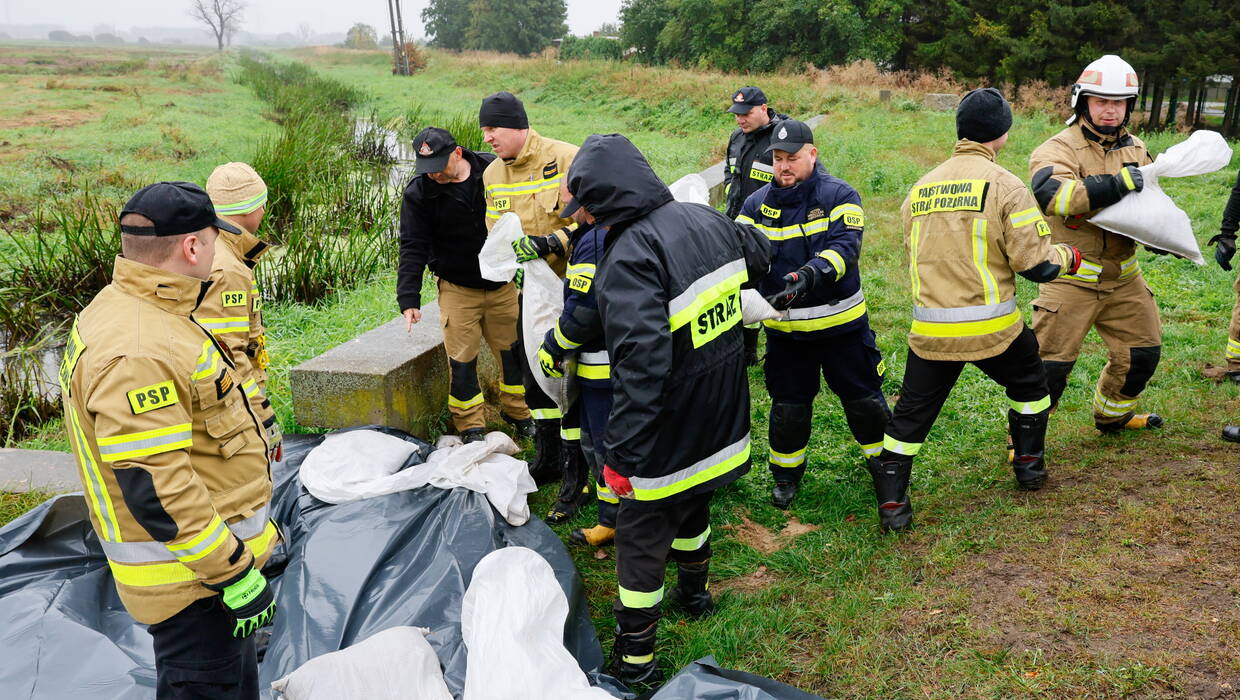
[[685, 299], [825, 309], [146, 552], [964, 313], [763, 167], [719, 457], [598, 357]]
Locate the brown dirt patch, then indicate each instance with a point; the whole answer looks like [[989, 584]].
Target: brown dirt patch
[[765, 540], [1138, 564], [55, 119], [758, 580], [1210, 371]]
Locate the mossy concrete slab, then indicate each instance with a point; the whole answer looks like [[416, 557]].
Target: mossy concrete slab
[[38, 470], [386, 376]]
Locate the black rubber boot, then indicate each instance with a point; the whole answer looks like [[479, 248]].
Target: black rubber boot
[[891, 477], [1131, 421], [751, 345], [1231, 433], [784, 493], [1028, 433], [473, 435], [523, 427], [574, 485], [632, 659], [692, 591], [1232, 376], [547, 463]]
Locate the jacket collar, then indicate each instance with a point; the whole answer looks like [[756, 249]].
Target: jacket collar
[[1119, 139], [796, 194], [533, 144], [965, 147], [170, 291], [245, 245]]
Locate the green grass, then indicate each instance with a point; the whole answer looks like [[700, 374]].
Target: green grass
[[1091, 588]]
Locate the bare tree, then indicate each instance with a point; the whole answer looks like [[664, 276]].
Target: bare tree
[[222, 16]]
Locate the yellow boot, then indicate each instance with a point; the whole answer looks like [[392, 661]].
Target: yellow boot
[[597, 536]]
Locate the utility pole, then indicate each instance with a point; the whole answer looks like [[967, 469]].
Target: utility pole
[[400, 33], [397, 49]]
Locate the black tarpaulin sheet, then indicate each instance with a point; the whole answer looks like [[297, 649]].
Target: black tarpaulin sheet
[[344, 573]]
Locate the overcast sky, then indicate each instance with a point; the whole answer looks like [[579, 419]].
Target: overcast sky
[[262, 16]]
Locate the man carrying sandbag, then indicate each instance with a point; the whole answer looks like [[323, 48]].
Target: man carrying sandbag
[[1090, 165], [1224, 251]]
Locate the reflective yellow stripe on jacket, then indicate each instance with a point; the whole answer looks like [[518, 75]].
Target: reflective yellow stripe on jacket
[[144, 564], [700, 472]]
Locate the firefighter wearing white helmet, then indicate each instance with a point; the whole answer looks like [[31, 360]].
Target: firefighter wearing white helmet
[[1090, 165]]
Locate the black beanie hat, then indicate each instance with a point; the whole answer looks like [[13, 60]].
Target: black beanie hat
[[503, 109], [983, 116]]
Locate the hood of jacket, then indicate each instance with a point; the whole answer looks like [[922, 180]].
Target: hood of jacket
[[614, 182]]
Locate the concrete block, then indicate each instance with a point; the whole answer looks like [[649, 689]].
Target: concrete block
[[384, 376], [884, 95], [942, 102], [38, 470]]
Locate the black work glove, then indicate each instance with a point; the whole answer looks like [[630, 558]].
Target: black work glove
[[1224, 249], [796, 284], [531, 247], [248, 600], [1132, 183]]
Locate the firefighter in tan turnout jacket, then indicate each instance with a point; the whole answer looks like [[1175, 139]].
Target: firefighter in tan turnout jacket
[[1090, 165], [525, 178], [232, 308], [970, 227], [172, 457]]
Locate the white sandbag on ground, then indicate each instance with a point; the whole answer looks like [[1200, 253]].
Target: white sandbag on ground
[[512, 622], [395, 664], [1149, 216], [691, 188], [360, 464]]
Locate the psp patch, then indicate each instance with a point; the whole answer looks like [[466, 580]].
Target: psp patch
[[236, 298], [502, 203], [149, 398]]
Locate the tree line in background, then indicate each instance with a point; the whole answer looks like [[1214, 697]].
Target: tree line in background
[[1175, 46], [508, 26]]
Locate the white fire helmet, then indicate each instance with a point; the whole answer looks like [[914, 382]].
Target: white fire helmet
[[1109, 76]]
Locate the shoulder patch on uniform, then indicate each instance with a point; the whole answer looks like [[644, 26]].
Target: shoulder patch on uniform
[[770, 211], [149, 398], [551, 169], [502, 203], [73, 352], [233, 298], [223, 385], [1044, 228], [815, 213], [948, 196]]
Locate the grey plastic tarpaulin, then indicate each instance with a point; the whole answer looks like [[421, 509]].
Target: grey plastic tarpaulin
[[344, 573]]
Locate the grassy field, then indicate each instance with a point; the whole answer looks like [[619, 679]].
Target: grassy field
[[1117, 580]]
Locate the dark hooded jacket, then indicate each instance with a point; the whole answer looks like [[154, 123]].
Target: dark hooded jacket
[[748, 165], [1231, 214], [669, 293]]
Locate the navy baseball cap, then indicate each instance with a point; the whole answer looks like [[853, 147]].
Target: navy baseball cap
[[746, 99], [434, 147], [176, 208], [790, 135]]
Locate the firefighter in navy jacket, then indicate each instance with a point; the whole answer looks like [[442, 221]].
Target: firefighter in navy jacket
[[579, 332], [814, 222], [669, 294]]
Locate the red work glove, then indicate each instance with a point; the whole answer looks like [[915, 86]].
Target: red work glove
[[619, 485]]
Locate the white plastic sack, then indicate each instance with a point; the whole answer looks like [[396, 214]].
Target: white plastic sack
[[755, 308], [497, 261], [1149, 216], [512, 623], [364, 463], [691, 188], [395, 664]]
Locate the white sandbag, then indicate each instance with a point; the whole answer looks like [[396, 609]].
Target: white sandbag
[[395, 664], [542, 300], [755, 308], [691, 188], [360, 464], [497, 261], [1149, 216], [512, 623]]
